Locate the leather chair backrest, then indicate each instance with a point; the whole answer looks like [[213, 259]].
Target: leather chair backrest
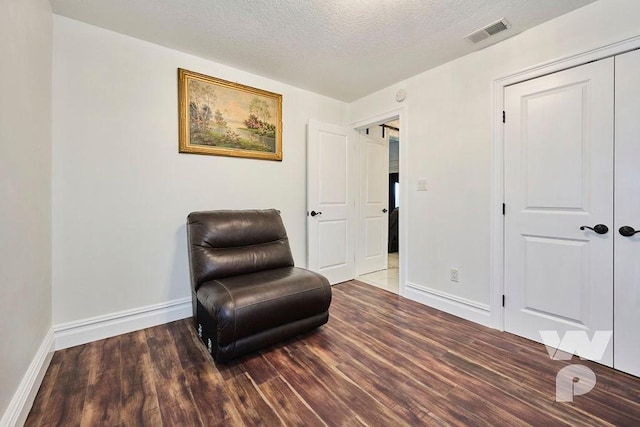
[[230, 243]]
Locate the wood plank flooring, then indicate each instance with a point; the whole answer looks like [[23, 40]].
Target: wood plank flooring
[[381, 360]]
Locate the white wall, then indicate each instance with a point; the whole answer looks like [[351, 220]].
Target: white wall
[[121, 190], [449, 141], [25, 187]]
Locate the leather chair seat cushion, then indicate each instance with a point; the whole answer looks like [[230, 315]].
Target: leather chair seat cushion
[[252, 303]]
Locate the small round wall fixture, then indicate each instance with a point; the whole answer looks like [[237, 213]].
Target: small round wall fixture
[[401, 94]]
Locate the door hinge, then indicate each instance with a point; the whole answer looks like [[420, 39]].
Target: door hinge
[[504, 209], [504, 117], [503, 300]]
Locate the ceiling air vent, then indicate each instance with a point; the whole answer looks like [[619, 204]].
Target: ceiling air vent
[[488, 31]]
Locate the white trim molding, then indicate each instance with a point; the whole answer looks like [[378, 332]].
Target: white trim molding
[[380, 118], [18, 410], [452, 304], [109, 325]]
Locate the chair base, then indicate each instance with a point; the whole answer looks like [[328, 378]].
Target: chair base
[[207, 328]]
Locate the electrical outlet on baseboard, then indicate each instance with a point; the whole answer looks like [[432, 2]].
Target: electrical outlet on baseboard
[[454, 275]]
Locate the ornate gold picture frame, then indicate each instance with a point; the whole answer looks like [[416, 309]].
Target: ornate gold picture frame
[[221, 118]]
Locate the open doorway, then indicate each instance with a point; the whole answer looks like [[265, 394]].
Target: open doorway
[[386, 179]]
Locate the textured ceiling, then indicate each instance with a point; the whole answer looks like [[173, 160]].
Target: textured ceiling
[[344, 49]]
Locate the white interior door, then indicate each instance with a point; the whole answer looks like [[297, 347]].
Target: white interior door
[[331, 209], [373, 221], [558, 178], [627, 214]]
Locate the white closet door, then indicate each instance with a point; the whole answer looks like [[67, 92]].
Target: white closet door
[[627, 213], [559, 177]]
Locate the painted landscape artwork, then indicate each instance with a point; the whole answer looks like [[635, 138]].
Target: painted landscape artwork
[[218, 117]]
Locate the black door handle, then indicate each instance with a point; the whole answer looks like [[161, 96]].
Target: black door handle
[[384, 210], [627, 231], [314, 213], [599, 228]]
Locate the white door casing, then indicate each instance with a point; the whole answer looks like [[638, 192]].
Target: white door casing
[[331, 195], [373, 216], [627, 213], [559, 177]]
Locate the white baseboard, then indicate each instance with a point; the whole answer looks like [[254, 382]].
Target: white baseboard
[[20, 405], [109, 325], [460, 307]]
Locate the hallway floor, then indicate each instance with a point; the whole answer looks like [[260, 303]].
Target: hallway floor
[[388, 279]]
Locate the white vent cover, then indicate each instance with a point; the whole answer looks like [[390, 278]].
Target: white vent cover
[[488, 31]]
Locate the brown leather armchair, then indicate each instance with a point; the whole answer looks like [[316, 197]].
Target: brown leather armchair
[[246, 292]]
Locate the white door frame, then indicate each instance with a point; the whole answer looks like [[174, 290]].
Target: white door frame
[[401, 113], [497, 187]]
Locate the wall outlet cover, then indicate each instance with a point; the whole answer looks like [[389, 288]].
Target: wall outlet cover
[[454, 275]]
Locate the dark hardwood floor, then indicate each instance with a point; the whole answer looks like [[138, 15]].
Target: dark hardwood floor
[[381, 360]]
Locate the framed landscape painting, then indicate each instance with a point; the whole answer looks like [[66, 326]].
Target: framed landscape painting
[[223, 118]]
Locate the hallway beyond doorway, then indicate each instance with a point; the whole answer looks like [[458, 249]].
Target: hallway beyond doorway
[[385, 279]]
